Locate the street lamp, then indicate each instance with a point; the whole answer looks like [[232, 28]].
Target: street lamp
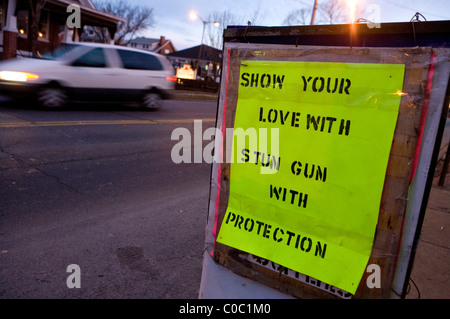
[[194, 15]]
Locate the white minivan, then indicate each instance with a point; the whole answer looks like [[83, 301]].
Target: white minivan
[[89, 72]]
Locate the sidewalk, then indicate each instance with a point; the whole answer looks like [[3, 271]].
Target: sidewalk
[[194, 95], [431, 270], [431, 267]]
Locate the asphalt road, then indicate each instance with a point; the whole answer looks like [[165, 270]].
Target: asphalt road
[[96, 186]]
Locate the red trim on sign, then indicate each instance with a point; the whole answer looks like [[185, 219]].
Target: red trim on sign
[[423, 118], [219, 173], [426, 103]]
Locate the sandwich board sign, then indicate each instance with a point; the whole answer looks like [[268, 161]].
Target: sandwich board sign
[[310, 188]]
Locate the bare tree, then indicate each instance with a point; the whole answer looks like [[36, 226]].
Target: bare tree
[[214, 33], [298, 17], [35, 17], [328, 11], [138, 18], [332, 11], [338, 11]]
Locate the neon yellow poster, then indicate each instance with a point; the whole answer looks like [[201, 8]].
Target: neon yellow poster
[[310, 152]]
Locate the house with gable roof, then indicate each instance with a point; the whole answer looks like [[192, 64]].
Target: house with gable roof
[[161, 45]]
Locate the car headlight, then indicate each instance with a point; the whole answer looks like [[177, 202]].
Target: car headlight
[[18, 76]]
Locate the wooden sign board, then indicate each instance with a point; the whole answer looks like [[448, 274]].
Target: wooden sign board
[[394, 198]]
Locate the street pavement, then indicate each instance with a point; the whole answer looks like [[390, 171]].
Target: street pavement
[[431, 272], [96, 186]]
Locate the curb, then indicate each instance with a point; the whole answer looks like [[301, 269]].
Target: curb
[[194, 95]]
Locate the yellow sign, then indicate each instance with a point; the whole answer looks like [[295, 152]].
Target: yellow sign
[[186, 72], [307, 194]]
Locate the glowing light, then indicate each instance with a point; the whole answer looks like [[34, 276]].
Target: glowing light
[[193, 15], [186, 72], [400, 93], [17, 76], [352, 8], [171, 78]]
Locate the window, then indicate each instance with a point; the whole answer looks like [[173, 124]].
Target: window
[[139, 61], [43, 25], [59, 52], [94, 58], [22, 23], [2, 15]]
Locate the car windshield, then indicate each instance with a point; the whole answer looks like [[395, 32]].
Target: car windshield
[[58, 52]]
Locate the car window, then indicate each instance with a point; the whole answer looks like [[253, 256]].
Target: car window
[[94, 58], [59, 52], [139, 61]]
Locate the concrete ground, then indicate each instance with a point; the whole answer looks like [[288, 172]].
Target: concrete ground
[[431, 271], [430, 275]]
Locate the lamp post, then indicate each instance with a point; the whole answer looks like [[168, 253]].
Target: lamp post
[[194, 15]]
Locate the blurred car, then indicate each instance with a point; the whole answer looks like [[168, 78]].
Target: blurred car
[[89, 72]]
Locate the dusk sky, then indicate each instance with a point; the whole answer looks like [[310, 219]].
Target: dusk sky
[[172, 16]]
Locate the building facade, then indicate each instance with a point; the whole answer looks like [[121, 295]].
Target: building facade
[[16, 23], [204, 60], [161, 45]]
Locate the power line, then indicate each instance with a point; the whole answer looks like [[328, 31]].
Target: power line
[[307, 4], [409, 9]]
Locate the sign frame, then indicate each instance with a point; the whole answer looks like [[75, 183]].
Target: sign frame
[[400, 199]]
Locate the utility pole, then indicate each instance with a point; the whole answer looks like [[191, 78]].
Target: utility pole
[[314, 12]]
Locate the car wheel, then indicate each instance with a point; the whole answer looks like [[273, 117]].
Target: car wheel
[[152, 100], [52, 97]]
